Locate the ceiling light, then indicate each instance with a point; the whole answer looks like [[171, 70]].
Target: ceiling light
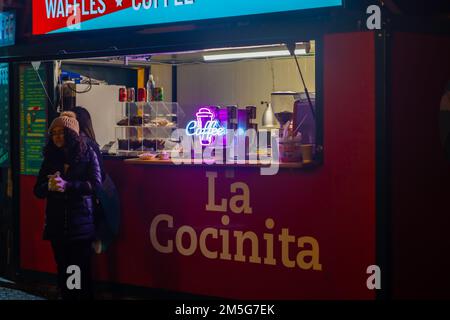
[[252, 55]]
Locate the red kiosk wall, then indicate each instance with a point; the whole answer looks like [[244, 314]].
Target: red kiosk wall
[[420, 172], [35, 254], [333, 204]]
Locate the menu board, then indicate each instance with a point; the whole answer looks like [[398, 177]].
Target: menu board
[[4, 115], [33, 118]]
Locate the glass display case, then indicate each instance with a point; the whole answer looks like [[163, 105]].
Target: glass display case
[[146, 126]]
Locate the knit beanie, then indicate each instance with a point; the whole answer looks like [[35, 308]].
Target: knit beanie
[[66, 119]]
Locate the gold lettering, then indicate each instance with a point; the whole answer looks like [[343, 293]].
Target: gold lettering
[[240, 238], [179, 240], [225, 254], [203, 248], [269, 259], [244, 198], [285, 239], [313, 253], [211, 205], [153, 236], [307, 257]]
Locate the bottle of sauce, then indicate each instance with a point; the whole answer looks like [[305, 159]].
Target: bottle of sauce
[[150, 88]]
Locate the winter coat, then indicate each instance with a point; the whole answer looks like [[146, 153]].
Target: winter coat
[[94, 145], [70, 214]]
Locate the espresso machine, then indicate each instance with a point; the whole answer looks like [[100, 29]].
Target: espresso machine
[[282, 104]]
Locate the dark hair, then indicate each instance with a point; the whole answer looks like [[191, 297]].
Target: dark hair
[[85, 121], [68, 98], [73, 143]]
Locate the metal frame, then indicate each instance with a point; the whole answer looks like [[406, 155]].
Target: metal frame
[[15, 151], [15, 163], [383, 221], [320, 152], [175, 37]]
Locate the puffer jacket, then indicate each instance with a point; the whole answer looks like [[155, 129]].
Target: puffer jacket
[[70, 215], [94, 145]]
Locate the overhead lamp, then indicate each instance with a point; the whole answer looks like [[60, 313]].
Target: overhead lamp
[[252, 55], [268, 117]]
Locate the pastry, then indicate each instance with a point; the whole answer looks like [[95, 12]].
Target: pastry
[[164, 155], [147, 156], [123, 122]]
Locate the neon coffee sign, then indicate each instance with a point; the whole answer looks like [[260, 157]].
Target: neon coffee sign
[[206, 127]]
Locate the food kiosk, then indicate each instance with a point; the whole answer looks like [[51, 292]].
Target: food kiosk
[[311, 229]]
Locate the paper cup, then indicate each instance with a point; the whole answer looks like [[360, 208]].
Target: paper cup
[[307, 152]]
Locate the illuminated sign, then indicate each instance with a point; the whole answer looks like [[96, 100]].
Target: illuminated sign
[[7, 29], [55, 16], [4, 115], [206, 127]]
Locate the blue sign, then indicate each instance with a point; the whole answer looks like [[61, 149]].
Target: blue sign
[[7, 28], [4, 115], [55, 16]]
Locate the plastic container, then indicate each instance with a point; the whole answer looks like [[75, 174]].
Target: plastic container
[[303, 118], [290, 150]]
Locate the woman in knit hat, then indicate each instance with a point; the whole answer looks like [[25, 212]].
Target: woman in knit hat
[[107, 211], [68, 178]]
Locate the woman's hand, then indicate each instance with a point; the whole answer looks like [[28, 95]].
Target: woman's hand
[[60, 184], [56, 183], [52, 182]]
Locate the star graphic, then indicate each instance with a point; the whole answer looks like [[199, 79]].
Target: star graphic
[[119, 3]]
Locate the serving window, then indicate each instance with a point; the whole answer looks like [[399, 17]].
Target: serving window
[[242, 105]]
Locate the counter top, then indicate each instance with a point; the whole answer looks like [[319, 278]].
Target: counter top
[[248, 163]]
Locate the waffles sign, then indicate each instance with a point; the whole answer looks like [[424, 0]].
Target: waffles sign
[[56, 16]]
